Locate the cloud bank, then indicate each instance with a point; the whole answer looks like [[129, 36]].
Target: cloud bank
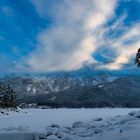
[[79, 35], [74, 35]]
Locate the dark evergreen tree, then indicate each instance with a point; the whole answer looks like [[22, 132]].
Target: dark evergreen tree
[[8, 98], [137, 59]]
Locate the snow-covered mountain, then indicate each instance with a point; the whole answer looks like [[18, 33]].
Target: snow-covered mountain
[[38, 85], [76, 89], [121, 92]]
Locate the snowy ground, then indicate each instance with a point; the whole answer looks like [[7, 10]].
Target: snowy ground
[[91, 124], [38, 119]]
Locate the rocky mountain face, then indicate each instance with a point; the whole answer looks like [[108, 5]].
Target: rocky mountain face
[[33, 86], [121, 92]]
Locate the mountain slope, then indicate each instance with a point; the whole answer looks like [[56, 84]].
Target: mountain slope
[[122, 92], [33, 86]]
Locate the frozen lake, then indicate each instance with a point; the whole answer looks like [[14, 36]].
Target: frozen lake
[[38, 119]]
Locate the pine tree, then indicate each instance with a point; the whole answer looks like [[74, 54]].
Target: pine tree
[[137, 59], [8, 100]]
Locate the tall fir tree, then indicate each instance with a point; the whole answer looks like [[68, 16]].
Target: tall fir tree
[[8, 99]]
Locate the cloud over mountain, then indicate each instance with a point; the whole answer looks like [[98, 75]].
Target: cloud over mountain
[[52, 35], [77, 31]]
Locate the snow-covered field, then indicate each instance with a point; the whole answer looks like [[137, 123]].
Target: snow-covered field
[[91, 124], [38, 119]]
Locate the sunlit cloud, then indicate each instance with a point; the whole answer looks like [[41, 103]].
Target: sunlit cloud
[[44, 35], [74, 35], [125, 51]]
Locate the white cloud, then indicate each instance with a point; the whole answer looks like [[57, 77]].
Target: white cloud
[[119, 22], [125, 52], [75, 34], [124, 57]]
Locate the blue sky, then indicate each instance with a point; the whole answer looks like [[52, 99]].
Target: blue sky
[[62, 35]]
